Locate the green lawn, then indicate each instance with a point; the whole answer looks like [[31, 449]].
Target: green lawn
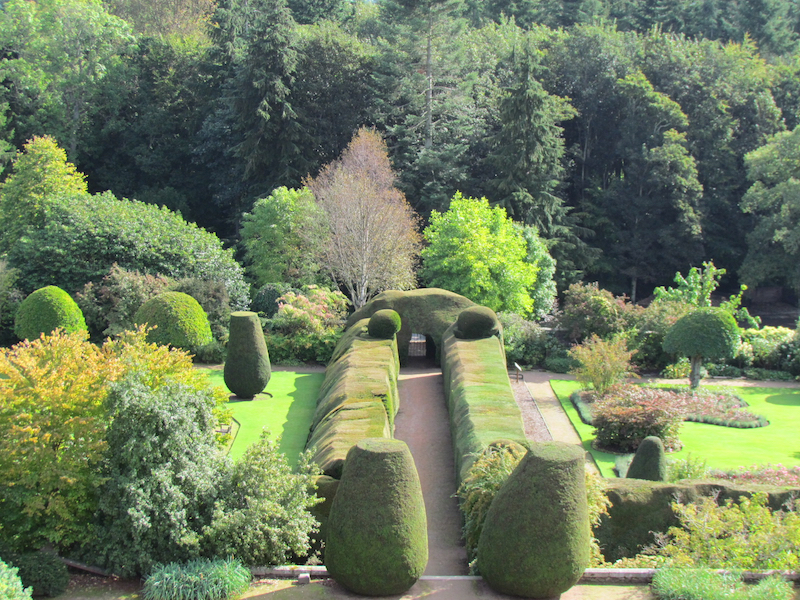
[[721, 447], [287, 414]]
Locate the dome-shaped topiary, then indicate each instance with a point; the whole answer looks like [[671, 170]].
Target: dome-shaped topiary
[[477, 322], [650, 461], [179, 321], [45, 310], [377, 539], [384, 324], [247, 369], [535, 540]]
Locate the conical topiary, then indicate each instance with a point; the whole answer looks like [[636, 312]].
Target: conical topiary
[[46, 309], [535, 539], [377, 538], [650, 461], [247, 368]]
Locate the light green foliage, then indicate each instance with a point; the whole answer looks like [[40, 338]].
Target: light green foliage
[[747, 535], [696, 289], [44, 311], [476, 251], [602, 363], [200, 579], [176, 319], [544, 291], [262, 517], [85, 235], [704, 584], [39, 174], [10, 584], [162, 473], [706, 333], [274, 234]]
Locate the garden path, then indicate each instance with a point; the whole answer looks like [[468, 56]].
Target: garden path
[[423, 424]]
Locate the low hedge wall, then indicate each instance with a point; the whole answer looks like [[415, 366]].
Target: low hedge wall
[[641, 508], [480, 400]]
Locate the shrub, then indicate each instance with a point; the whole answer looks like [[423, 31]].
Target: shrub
[[200, 579], [110, 304], [265, 301], [705, 584], [650, 327], [247, 370], [301, 348], [10, 299], [690, 467], [214, 299], [526, 343], [384, 324], [535, 539], [649, 462], [10, 584], [377, 542], [588, 310], [45, 310], [602, 363], [628, 414], [178, 321], [560, 364], [764, 348], [43, 572], [477, 322], [262, 516], [315, 310]]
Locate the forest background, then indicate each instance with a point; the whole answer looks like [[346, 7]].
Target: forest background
[[640, 138]]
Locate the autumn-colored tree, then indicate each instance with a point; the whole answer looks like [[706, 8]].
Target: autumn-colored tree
[[369, 232]]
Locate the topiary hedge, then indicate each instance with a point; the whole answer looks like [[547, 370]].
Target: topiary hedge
[[477, 322], [46, 309], [247, 369], [377, 538], [535, 539], [179, 321], [384, 324], [650, 461]]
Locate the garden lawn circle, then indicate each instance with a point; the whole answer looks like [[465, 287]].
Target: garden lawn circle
[[287, 413]]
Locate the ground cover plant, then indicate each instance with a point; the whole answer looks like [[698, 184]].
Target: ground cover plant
[[200, 579], [721, 447], [286, 414], [705, 584]]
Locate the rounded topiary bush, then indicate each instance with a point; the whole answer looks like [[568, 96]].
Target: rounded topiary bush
[[650, 461], [377, 538], [535, 539], [247, 369], [46, 309], [179, 321], [477, 322], [384, 324]]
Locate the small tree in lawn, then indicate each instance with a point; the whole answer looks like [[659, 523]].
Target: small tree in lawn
[[703, 334], [602, 363]]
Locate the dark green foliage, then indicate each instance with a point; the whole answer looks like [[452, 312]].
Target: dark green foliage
[[179, 321], [10, 299], [200, 579], [265, 301], [588, 310], [377, 540], [429, 311], [46, 309], [247, 368], [480, 400], [650, 461], [10, 584], [535, 540], [525, 342], [384, 324], [301, 348], [84, 235], [43, 571], [477, 322], [163, 471]]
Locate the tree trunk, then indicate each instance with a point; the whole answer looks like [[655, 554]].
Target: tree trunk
[[694, 376]]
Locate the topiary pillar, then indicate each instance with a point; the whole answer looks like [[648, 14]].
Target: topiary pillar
[[247, 368], [535, 539], [650, 461], [377, 538]]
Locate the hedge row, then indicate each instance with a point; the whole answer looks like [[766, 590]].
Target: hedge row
[[480, 400]]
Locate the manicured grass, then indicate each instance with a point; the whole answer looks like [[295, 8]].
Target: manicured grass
[[287, 414], [724, 447]]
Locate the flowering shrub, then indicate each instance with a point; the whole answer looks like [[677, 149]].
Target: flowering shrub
[[602, 363], [589, 310], [315, 310], [627, 414]]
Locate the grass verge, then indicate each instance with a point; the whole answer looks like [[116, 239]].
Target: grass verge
[[287, 414]]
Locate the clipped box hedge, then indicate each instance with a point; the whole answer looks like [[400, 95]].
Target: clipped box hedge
[[480, 400], [358, 398]]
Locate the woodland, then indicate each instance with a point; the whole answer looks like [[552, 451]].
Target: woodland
[[638, 138]]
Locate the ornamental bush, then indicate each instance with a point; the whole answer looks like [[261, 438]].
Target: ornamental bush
[[377, 538], [627, 414], [45, 310], [384, 324], [178, 321], [42, 571], [476, 323], [588, 310], [247, 369], [10, 584], [536, 537], [650, 461], [602, 363]]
